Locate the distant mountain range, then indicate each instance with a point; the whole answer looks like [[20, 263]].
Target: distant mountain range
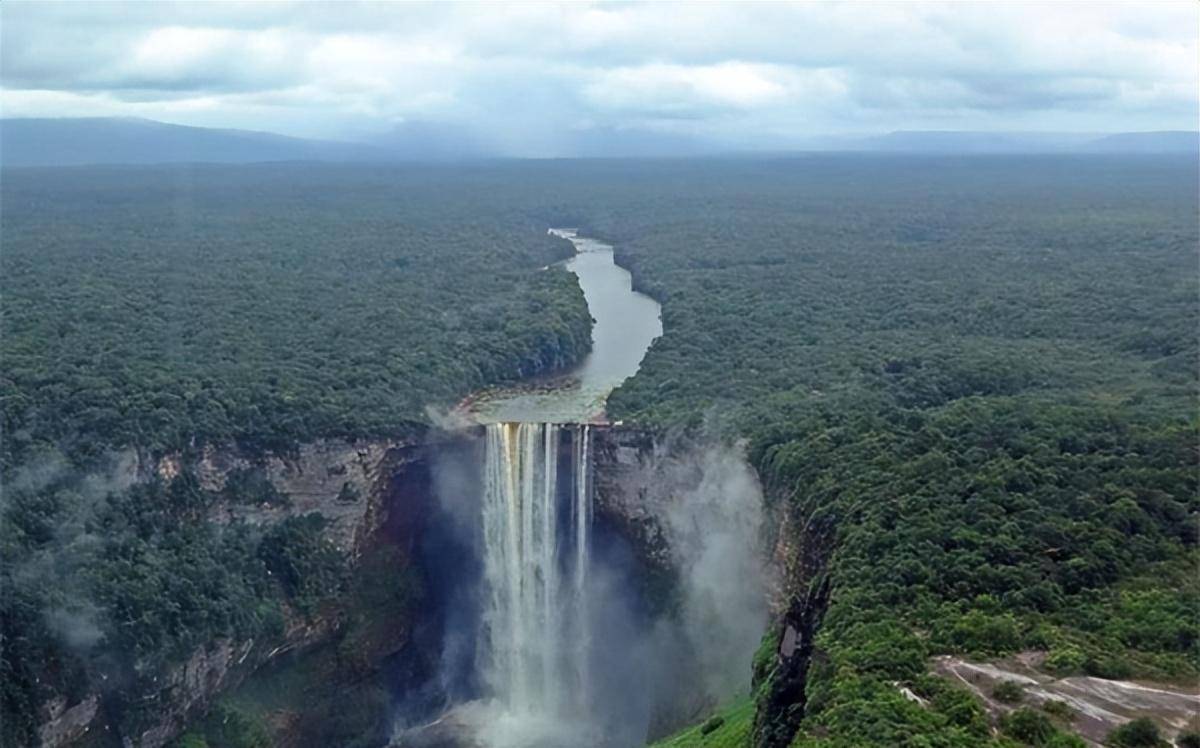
[[97, 140], [1029, 142], [79, 141], [1168, 141]]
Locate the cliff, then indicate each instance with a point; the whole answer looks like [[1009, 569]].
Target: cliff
[[353, 485], [690, 510]]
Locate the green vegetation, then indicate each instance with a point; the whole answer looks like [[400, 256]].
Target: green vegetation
[[1188, 740], [338, 693], [252, 486], [1060, 709], [1138, 733], [140, 582], [166, 308], [1008, 691], [161, 310], [972, 382], [1034, 728], [227, 727], [729, 728]]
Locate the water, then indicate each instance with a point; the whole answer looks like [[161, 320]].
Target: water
[[536, 528], [536, 638], [626, 324]]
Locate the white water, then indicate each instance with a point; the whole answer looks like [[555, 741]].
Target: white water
[[536, 555], [533, 651], [562, 659]]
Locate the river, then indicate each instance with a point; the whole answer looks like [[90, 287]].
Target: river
[[626, 322]]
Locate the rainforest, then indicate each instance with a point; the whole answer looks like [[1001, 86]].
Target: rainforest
[[909, 459]]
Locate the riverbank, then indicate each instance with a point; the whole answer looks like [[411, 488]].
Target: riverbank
[[625, 324]]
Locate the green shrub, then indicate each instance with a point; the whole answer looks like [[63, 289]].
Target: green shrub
[[1111, 667], [300, 557], [349, 493], [1027, 726], [1058, 709], [1139, 733], [1065, 660], [252, 486], [712, 723], [230, 727], [1188, 740], [980, 632], [1008, 691]]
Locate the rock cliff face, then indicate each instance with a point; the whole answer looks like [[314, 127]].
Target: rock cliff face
[[800, 551], [691, 512], [190, 686], [682, 505], [686, 508], [344, 482], [63, 724], [351, 484], [781, 691], [636, 482]]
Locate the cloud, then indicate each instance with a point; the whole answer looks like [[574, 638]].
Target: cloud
[[530, 73], [675, 88]]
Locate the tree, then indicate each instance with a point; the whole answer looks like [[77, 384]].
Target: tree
[[1138, 733]]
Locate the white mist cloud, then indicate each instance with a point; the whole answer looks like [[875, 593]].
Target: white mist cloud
[[671, 88], [526, 73], [714, 532]]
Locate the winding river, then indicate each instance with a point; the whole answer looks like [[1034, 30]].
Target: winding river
[[625, 324]]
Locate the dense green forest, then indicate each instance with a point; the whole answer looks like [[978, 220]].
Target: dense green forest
[[969, 384], [973, 383], [268, 305], [160, 310]]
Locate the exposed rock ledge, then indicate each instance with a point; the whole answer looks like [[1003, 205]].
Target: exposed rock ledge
[[1097, 705], [312, 480]]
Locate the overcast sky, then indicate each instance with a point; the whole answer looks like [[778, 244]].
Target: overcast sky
[[524, 74]]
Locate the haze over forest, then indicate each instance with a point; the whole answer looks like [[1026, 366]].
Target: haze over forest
[[82, 141]]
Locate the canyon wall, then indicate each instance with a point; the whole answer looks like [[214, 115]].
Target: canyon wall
[[351, 484]]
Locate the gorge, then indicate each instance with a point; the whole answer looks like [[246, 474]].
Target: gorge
[[532, 575], [571, 645], [966, 393]]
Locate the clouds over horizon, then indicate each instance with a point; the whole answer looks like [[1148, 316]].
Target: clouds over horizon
[[528, 73]]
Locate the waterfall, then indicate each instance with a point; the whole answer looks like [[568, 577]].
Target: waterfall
[[536, 529]]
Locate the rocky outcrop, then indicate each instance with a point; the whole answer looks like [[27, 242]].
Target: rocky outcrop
[[63, 725], [635, 482], [803, 542], [1094, 706], [343, 481], [781, 690], [190, 686]]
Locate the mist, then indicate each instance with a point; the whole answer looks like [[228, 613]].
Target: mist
[[651, 667], [714, 532]]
